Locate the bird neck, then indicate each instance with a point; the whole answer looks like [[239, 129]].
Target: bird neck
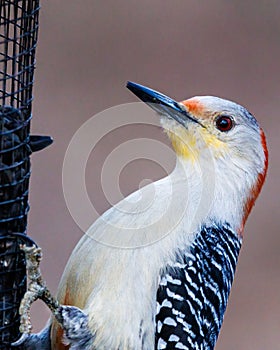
[[213, 191]]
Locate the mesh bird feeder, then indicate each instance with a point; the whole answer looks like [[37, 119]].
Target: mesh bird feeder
[[18, 40]]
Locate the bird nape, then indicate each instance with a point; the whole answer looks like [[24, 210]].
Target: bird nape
[[163, 278]]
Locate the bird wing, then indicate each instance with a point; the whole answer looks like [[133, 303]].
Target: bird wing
[[193, 292]]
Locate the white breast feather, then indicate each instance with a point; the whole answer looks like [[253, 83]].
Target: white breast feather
[[118, 262]]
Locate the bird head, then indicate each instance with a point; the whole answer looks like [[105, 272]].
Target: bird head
[[210, 130]]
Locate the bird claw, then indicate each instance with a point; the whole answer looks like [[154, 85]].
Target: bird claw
[[34, 341], [23, 339]]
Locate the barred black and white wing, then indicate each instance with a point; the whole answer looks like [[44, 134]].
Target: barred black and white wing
[[193, 293]]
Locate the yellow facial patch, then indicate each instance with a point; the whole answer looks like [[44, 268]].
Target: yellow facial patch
[[212, 141], [189, 143], [184, 143]]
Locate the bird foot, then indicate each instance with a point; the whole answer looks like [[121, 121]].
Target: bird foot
[[73, 320], [37, 288]]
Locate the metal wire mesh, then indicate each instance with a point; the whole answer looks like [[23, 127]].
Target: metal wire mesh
[[18, 39]]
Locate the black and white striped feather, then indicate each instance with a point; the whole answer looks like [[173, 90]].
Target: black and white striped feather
[[193, 293]]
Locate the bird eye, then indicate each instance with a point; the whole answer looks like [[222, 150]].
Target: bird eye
[[224, 123]]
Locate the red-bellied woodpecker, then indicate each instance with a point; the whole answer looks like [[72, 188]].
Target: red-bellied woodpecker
[[170, 294]]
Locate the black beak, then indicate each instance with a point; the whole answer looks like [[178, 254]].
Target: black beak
[[162, 104]]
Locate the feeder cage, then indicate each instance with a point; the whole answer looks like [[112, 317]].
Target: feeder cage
[[18, 39]]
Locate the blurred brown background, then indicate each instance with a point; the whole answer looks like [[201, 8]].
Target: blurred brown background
[[88, 49]]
